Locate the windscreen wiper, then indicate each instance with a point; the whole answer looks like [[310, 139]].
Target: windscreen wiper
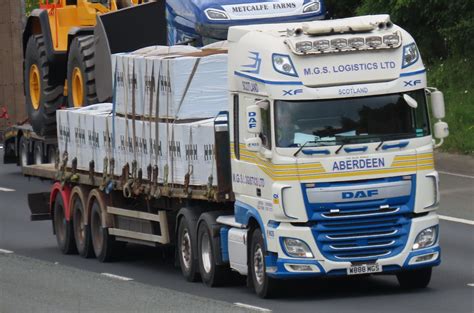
[[302, 147]]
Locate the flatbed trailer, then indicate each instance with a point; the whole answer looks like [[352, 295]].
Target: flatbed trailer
[[25, 147]]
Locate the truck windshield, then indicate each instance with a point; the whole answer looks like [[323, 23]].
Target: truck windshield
[[350, 120]]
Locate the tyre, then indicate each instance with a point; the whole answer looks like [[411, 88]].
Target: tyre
[[80, 72], [187, 259], [25, 157], [122, 4], [82, 231], [44, 94], [63, 228], [38, 155], [102, 242], [415, 279], [212, 274], [264, 286], [51, 157]]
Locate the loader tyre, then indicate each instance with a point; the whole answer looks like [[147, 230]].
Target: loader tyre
[[80, 72], [122, 4], [44, 94]]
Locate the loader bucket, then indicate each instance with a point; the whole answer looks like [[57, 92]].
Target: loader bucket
[[125, 30]]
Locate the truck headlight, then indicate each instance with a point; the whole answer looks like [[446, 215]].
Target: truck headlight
[[282, 64], [410, 55], [214, 14], [297, 248], [312, 7], [426, 238]]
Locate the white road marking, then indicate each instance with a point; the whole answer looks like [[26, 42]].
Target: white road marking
[[251, 307], [470, 285], [6, 251], [455, 219], [6, 189], [455, 174], [117, 277]]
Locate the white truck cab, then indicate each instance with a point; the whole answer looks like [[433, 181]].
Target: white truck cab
[[332, 152]]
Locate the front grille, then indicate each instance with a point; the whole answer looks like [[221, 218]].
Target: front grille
[[362, 239], [361, 231]]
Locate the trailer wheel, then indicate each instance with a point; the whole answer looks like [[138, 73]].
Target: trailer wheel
[[44, 95], [212, 274], [264, 286], [38, 155], [80, 72], [102, 241], [51, 154], [25, 157], [82, 231], [63, 228], [415, 279], [187, 260]]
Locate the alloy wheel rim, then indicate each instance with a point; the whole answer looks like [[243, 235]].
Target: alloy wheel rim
[[35, 86]]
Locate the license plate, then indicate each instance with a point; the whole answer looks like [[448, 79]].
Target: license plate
[[364, 269]]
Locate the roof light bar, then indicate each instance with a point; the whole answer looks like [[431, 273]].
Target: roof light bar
[[345, 44]]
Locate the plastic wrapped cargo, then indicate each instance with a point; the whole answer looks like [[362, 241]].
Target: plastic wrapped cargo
[[174, 86], [175, 148]]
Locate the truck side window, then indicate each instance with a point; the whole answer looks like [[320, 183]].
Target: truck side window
[[236, 127], [266, 134]]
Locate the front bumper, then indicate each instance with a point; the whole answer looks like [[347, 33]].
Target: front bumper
[[280, 265]]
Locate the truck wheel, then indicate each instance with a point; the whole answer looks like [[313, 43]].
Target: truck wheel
[[102, 241], [51, 154], [212, 274], [38, 155], [82, 231], [80, 72], [24, 153], [187, 260], [264, 286], [415, 279], [63, 228], [43, 94]]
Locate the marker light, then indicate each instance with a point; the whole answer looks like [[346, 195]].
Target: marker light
[[214, 14], [391, 40], [304, 46], [297, 248], [282, 64], [374, 41], [356, 42], [339, 43], [410, 55], [426, 238], [312, 7], [321, 45]]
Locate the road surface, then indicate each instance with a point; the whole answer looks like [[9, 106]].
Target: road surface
[[36, 277]]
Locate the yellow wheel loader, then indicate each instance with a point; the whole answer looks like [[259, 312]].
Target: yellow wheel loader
[[67, 46]]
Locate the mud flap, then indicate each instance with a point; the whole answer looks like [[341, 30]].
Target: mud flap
[[39, 206], [125, 30]]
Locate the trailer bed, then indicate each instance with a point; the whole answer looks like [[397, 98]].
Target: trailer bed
[[50, 172]]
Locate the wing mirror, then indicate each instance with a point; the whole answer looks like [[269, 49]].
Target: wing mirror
[[437, 104]]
